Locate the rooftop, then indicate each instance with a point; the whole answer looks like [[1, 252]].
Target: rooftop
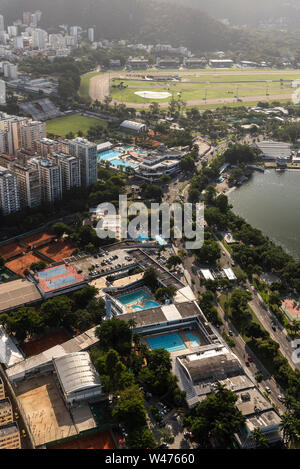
[[17, 293], [76, 372]]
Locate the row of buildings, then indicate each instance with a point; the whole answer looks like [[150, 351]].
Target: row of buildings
[[34, 169], [9, 431]]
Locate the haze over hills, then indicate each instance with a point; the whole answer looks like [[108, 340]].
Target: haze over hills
[[252, 12], [141, 20]]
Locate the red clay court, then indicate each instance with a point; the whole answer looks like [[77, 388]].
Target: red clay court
[[8, 251], [101, 440], [22, 263], [58, 251], [291, 308], [39, 239], [40, 345]]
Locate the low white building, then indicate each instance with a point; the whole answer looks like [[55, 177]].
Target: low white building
[[133, 127], [78, 379]]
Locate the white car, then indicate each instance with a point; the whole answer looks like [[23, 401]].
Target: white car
[[268, 390]]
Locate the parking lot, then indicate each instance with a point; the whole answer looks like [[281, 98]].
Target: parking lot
[[92, 266]]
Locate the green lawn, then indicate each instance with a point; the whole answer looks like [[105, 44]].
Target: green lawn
[[63, 125], [84, 90], [205, 84]]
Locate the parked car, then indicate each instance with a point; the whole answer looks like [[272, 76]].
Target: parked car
[[268, 390]]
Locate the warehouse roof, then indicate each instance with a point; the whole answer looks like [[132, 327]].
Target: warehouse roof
[[17, 293], [76, 372], [132, 125]]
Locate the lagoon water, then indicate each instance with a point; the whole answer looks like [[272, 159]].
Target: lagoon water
[[270, 201]]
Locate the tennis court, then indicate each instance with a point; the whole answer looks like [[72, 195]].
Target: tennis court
[[37, 346], [101, 440], [22, 263], [8, 251], [58, 251], [39, 239], [291, 308]]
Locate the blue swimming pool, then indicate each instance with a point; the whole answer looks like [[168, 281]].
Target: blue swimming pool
[[133, 298], [169, 342], [194, 340], [149, 304], [108, 155], [116, 162]]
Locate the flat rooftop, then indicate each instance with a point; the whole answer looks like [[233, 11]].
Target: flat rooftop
[[17, 293], [45, 411]]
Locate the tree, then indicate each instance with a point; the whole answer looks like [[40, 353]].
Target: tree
[[2, 262], [59, 229], [173, 261], [130, 409], [83, 296], [113, 373], [209, 253], [141, 439], [115, 334], [150, 278], [215, 420], [57, 311], [259, 438]]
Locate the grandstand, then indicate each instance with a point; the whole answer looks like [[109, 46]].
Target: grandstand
[[41, 109]]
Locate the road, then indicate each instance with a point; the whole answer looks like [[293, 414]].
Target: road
[[263, 314]]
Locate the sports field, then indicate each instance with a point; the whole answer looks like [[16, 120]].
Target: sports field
[[64, 125], [201, 88], [291, 308], [22, 263], [7, 251], [38, 239], [101, 440], [40, 345], [58, 251]]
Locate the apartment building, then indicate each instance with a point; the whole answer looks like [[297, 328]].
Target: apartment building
[[9, 196], [70, 170], [6, 412], [87, 153], [10, 436], [2, 92], [29, 185], [2, 390], [32, 132], [50, 177]]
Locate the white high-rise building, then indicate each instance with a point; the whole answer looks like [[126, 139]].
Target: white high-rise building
[[50, 177], [39, 39], [9, 194], [10, 70], [91, 34], [70, 170], [19, 42], [12, 31], [29, 185], [2, 23], [2, 92], [56, 41], [74, 30], [87, 152]]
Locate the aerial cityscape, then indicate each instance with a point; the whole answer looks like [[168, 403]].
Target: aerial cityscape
[[149, 227]]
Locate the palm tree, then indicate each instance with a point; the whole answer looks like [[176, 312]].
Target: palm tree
[[259, 438], [288, 426]]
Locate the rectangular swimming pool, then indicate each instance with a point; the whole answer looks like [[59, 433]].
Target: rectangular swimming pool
[[133, 298], [169, 342]]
